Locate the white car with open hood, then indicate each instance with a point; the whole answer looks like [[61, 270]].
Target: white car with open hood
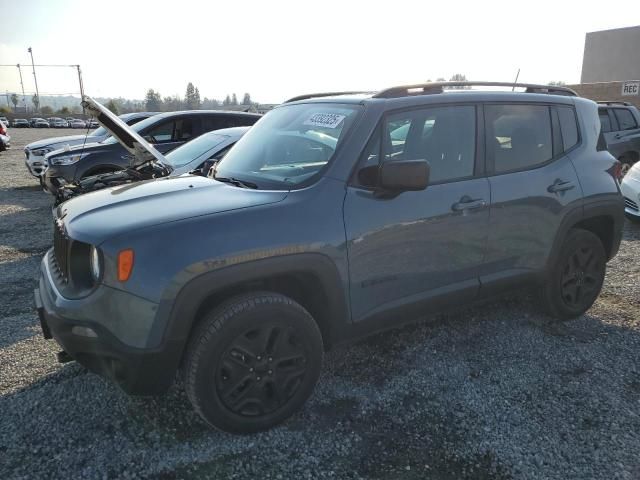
[[195, 157]]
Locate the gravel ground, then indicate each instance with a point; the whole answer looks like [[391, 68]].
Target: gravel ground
[[493, 391]]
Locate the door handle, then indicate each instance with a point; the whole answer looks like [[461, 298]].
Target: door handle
[[617, 136], [468, 203], [560, 186]]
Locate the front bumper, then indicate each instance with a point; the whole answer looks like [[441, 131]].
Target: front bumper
[[5, 140], [631, 191], [137, 370]]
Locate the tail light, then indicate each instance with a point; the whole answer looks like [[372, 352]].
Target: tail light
[[3, 129]]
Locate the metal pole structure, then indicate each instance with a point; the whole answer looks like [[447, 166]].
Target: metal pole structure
[[6, 92], [24, 100], [33, 65], [81, 87]]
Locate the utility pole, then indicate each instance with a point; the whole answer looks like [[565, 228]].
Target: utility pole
[[6, 92], [24, 101], [33, 65], [81, 88]]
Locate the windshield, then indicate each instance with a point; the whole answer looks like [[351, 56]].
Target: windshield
[[193, 149], [288, 145]]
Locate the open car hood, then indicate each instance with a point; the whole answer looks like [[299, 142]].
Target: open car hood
[[141, 150]]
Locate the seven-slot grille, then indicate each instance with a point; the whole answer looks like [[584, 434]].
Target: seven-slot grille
[[61, 250], [630, 204]]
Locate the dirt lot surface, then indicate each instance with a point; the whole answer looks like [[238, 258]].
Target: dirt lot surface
[[493, 391]]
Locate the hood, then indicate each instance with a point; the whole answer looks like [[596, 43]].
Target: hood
[[59, 142], [97, 216], [138, 147]]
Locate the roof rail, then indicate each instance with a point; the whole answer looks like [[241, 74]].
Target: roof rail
[[439, 87], [325, 94], [614, 102]]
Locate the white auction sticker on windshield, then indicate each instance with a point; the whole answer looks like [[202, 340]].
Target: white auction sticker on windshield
[[326, 120]]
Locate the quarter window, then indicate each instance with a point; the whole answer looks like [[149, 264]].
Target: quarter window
[[625, 119], [518, 136], [605, 121], [568, 127]]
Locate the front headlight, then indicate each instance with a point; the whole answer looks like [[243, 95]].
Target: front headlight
[[66, 159], [94, 257], [41, 151]]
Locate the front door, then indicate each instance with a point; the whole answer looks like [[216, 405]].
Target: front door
[[418, 246]]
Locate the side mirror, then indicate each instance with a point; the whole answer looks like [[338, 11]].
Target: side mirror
[[404, 175]]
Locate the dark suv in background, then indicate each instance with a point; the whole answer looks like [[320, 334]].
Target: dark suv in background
[[165, 131], [333, 217], [621, 129]]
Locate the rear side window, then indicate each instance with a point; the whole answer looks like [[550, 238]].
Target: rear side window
[[568, 127], [605, 121], [518, 136], [625, 119]]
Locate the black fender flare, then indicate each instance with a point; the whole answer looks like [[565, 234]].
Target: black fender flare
[[178, 313], [612, 207]]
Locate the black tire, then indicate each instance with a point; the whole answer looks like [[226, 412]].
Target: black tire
[[252, 362], [576, 278]]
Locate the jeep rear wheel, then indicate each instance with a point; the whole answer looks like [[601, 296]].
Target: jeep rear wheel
[[253, 362], [576, 278]]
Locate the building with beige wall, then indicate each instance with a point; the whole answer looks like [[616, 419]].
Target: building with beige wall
[[611, 66]]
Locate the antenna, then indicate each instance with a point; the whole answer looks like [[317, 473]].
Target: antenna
[[516, 81]]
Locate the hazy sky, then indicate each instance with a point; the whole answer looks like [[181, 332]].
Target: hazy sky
[[278, 49]]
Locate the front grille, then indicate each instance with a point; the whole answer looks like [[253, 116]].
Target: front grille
[[631, 205], [61, 251]]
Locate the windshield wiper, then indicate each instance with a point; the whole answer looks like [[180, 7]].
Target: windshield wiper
[[237, 183]]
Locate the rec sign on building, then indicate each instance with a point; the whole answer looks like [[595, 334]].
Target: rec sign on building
[[630, 88]]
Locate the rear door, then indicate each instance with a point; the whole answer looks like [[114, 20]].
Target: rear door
[[533, 186]]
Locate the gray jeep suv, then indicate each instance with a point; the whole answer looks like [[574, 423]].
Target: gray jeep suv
[[335, 216]]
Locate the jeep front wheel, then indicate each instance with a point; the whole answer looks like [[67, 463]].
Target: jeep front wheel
[[252, 362], [575, 280]]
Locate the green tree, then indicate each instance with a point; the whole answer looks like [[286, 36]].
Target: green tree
[[5, 110], [246, 100], [196, 99], [153, 101], [36, 102], [113, 106], [559, 83], [172, 104], [64, 111], [459, 77], [227, 100], [46, 110], [14, 100], [234, 99], [188, 97]]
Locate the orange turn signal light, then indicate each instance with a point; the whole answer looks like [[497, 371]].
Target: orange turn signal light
[[125, 264]]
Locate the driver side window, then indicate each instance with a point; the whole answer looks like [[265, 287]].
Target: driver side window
[[444, 136]]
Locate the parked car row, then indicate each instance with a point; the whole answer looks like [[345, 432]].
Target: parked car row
[[334, 216], [53, 122]]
